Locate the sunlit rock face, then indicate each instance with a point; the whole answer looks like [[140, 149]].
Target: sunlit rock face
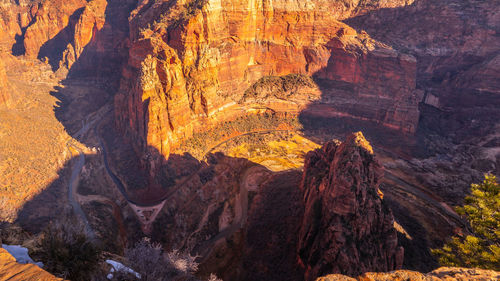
[[45, 20], [346, 228], [191, 61], [86, 34]]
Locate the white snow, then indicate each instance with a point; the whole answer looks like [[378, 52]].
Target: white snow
[[116, 266], [20, 254]]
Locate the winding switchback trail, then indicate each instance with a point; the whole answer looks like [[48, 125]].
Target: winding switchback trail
[[73, 185], [78, 166]]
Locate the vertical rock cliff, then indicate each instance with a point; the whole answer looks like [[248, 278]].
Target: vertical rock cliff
[[49, 24], [89, 34], [191, 61], [346, 227], [456, 46]]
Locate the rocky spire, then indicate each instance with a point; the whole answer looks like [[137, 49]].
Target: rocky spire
[[346, 226]]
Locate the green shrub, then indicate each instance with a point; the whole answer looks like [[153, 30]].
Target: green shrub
[[482, 247]]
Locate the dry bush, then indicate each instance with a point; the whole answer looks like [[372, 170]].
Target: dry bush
[[149, 260], [68, 252]]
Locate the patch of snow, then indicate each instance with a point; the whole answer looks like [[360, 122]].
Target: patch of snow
[[20, 254], [117, 266]]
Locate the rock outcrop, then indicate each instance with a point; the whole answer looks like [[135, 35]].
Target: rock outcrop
[[443, 273], [9, 25], [249, 223], [62, 33], [51, 24], [190, 63], [13, 271], [346, 227]]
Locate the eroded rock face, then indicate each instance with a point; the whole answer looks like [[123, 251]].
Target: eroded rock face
[[62, 33], [190, 63], [346, 227], [46, 20], [456, 46], [9, 25]]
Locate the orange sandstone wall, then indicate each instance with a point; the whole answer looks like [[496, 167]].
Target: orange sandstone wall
[[190, 62]]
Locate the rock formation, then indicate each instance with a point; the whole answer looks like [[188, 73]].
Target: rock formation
[[346, 227], [248, 223], [64, 32], [9, 25], [443, 273], [456, 46], [46, 20], [190, 63]]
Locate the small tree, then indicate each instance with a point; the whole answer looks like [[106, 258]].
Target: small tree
[[482, 247]]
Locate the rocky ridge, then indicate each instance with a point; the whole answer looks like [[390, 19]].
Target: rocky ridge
[[346, 227], [170, 89], [455, 44], [62, 33], [248, 223]]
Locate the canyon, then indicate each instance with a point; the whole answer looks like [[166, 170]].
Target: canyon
[[190, 69], [213, 127]]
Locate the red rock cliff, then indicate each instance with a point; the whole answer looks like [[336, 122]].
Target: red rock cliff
[[346, 228], [63, 33], [456, 45], [190, 62]]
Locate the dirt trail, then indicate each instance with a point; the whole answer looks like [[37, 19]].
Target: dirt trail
[[72, 186], [240, 218], [78, 166]]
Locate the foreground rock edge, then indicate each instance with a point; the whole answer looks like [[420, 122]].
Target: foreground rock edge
[[442, 273], [12, 270]]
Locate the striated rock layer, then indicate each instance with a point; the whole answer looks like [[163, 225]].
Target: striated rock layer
[[456, 45], [191, 61], [87, 34], [346, 227], [46, 20]]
